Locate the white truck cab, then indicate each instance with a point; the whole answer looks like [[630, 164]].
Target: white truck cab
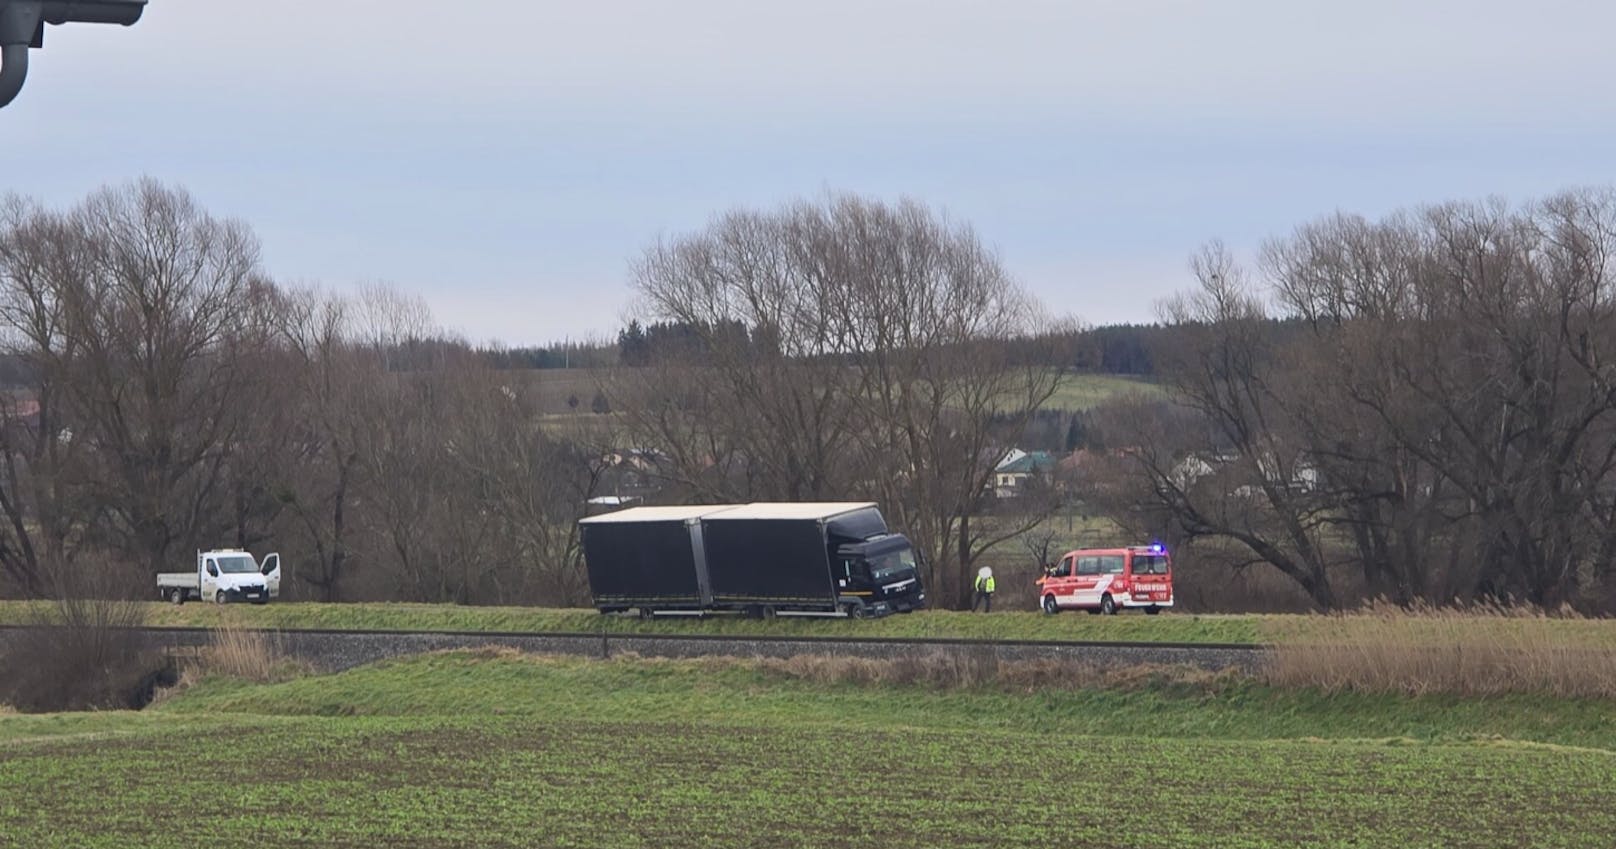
[[224, 575]]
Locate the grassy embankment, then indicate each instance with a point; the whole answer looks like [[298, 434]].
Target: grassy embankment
[[1426, 629], [1022, 625], [491, 748]]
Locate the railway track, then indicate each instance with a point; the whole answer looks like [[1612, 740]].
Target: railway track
[[333, 650]]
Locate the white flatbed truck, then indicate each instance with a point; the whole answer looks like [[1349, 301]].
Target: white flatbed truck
[[224, 575]]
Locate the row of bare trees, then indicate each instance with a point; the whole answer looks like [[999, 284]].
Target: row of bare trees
[[1421, 407], [164, 395]]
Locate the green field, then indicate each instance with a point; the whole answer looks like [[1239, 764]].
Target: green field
[[492, 749], [1077, 392]]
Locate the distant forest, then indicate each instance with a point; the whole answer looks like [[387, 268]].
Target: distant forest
[[1121, 349]]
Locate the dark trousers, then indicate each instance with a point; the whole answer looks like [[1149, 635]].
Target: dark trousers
[[985, 599]]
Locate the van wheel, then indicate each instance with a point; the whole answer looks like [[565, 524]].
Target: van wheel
[[1152, 610], [646, 613], [176, 595], [1108, 606], [1050, 607], [767, 612], [219, 597]]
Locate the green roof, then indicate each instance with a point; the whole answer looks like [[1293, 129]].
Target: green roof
[[1032, 461]]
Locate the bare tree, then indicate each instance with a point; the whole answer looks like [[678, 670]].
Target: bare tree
[[165, 304], [845, 348], [39, 491], [138, 318], [336, 383], [1433, 406]]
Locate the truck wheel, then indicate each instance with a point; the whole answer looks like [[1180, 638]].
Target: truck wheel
[[176, 595], [1108, 606], [1050, 607], [1152, 610], [646, 613], [767, 612], [219, 597], [856, 611]]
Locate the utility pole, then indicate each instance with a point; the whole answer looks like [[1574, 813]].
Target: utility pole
[[22, 26]]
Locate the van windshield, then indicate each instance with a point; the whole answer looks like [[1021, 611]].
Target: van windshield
[[897, 564], [237, 564], [1150, 564]]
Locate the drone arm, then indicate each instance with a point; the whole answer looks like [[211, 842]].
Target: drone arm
[[13, 70]]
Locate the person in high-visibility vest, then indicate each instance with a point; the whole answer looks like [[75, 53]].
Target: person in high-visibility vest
[[984, 590]]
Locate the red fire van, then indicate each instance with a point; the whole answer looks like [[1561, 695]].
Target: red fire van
[[1107, 580]]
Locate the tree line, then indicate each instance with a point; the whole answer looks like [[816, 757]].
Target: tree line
[[1421, 407], [164, 394]]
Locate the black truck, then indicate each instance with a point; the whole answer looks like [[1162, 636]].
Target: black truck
[[808, 559]]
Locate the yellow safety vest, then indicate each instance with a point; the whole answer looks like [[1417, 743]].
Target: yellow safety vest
[[985, 584]]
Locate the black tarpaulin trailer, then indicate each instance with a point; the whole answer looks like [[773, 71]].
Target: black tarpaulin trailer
[[648, 557], [779, 554]]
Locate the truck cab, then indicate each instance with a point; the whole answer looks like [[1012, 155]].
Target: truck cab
[[224, 575], [1109, 580], [878, 576]]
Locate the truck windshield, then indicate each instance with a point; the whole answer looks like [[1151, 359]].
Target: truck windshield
[[237, 564], [897, 564]]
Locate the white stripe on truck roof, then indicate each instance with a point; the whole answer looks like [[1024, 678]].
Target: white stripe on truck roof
[[676, 513], [755, 510], [793, 510]]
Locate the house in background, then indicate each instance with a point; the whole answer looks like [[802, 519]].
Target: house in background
[[1018, 468]]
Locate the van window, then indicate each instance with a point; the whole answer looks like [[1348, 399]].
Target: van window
[[1150, 564], [1111, 564], [1088, 565], [1064, 570]]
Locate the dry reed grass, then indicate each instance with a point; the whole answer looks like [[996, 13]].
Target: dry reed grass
[[983, 669], [1480, 651], [938, 670], [240, 652]]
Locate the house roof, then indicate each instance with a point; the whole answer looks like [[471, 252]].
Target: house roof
[[1032, 461]]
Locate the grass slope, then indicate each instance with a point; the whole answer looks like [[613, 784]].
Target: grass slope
[[476, 749], [1479, 632], [1078, 392], [1024, 625]]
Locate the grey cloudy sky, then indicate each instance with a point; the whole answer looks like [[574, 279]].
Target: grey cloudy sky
[[507, 159]]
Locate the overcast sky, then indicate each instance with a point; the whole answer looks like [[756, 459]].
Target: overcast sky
[[507, 158]]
